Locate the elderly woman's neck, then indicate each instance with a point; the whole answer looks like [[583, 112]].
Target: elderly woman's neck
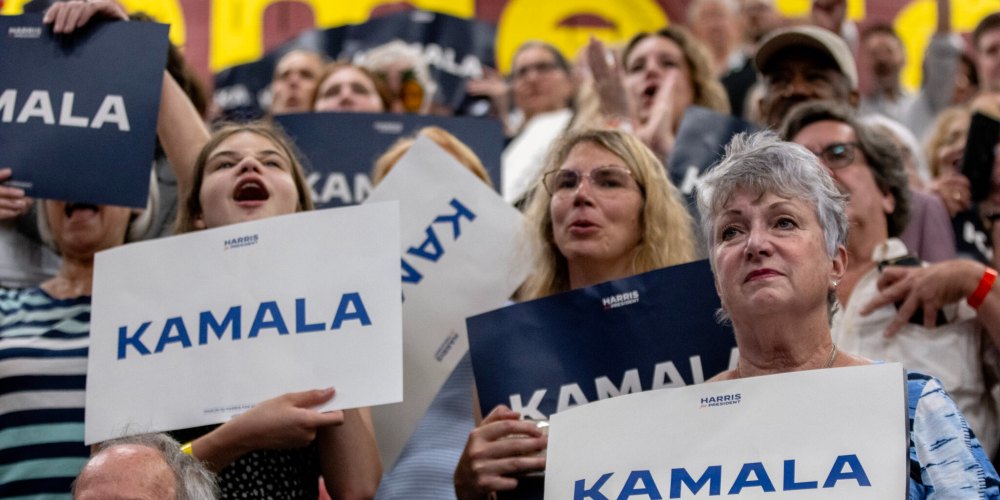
[[584, 274], [774, 347], [74, 279]]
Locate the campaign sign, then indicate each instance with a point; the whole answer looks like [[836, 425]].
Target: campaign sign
[[648, 331], [455, 50], [818, 434], [78, 112], [194, 329], [461, 255], [341, 148]]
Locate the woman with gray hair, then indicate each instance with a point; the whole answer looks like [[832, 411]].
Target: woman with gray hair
[[775, 227]]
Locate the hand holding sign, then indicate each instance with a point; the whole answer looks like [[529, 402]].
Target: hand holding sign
[[287, 421], [500, 447], [13, 202], [66, 17]]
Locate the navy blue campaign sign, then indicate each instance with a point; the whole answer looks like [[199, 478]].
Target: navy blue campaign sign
[[341, 148], [649, 331], [455, 50], [78, 112]]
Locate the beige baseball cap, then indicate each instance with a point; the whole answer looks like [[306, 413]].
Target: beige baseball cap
[[814, 37]]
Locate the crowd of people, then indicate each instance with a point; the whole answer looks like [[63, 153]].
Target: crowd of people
[[845, 232]]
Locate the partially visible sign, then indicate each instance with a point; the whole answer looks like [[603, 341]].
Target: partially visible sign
[[232, 316], [454, 49], [341, 148], [823, 434], [462, 254], [648, 331], [78, 112]]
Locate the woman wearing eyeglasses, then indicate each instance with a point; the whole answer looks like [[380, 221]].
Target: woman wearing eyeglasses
[[948, 345], [605, 210]]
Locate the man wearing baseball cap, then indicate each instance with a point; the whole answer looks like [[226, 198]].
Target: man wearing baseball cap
[[804, 63]]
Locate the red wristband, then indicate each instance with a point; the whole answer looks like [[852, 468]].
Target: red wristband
[[976, 299]]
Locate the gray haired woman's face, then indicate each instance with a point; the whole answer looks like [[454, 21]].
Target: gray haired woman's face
[[770, 257]]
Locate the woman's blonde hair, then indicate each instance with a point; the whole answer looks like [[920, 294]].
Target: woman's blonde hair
[[190, 209], [667, 236], [443, 138], [937, 136], [708, 91]]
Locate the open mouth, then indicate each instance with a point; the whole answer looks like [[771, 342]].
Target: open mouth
[[73, 206], [250, 190], [650, 90]]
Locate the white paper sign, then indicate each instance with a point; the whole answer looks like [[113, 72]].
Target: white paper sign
[[194, 329], [820, 434], [462, 255]]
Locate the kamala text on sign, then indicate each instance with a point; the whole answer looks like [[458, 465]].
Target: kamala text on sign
[[641, 483], [267, 317], [431, 249], [38, 105]]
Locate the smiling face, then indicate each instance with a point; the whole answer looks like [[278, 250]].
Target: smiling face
[[348, 89], [593, 225], [770, 257], [246, 178], [649, 63], [80, 230]]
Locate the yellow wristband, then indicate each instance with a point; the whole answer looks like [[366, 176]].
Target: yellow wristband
[[186, 449]]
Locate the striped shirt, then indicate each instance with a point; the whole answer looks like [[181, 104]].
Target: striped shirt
[[43, 368], [946, 460]]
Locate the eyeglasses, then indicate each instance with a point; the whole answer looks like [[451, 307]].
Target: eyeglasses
[[607, 180], [543, 68], [838, 155]]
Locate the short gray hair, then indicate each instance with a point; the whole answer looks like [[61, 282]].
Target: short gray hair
[[194, 481], [762, 163]]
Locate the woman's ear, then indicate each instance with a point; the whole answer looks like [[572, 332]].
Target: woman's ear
[[199, 222], [839, 265]]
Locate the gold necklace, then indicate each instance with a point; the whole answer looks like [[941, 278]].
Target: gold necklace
[[829, 362]]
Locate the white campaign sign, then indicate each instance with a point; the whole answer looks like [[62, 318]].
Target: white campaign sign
[[194, 329], [820, 434], [462, 255]]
